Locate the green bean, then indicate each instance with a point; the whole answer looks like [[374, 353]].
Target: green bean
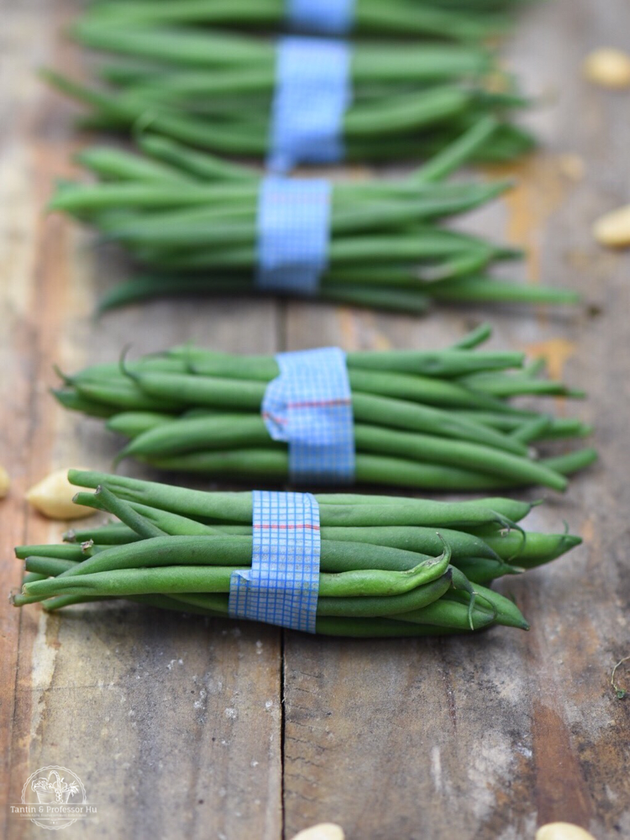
[[191, 162], [370, 606], [121, 394], [415, 539], [482, 459], [189, 578], [61, 552], [29, 577], [482, 289], [449, 363], [247, 131], [74, 402], [199, 410], [273, 464], [490, 555], [127, 515], [175, 525], [533, 550], [119, 165], [450, 614], [113, 533], [508, 385], [181, 210], [232, 431], [193, 390], [123, 582], [133, 423], [369, 567], [237, 507], [383, 606], [49, 566], [506, 611], [573, 461], [168, 551], [339, 557], [484, 570], [475, 555], [473, 21]]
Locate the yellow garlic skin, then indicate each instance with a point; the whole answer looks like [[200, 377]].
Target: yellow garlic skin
[[322, 831], [609, 68], [53, 497], [5, 482], [613, 229], [562, 831]]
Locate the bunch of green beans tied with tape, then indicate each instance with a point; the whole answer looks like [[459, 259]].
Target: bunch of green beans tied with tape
[[437, 420], [457, 20], [216, 90], [191, 220], [388, 566]]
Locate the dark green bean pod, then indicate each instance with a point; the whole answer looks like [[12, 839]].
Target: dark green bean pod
[[380, 571], [438, 420]]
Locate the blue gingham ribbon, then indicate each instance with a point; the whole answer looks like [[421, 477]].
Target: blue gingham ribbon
[[293, 234], [330, 17], [310, 406], [282, 585], [313, 92]]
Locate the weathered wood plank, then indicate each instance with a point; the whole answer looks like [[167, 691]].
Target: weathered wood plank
[[491, 737], [173, 724]]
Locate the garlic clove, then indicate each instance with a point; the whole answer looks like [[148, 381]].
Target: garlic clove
[[562, 831], [322, 831], [53, 496], [609, 68], [613, 229], [5, 482]]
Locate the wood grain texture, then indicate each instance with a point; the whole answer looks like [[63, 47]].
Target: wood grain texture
[[184, 728], [491, 738], [173, 725]]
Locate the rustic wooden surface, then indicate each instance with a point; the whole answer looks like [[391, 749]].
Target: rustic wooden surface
[[186, 728]]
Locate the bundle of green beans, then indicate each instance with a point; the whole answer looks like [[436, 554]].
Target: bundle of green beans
[[432, 420], [465, 20], [214, 90], [389, 566], [191, 218]]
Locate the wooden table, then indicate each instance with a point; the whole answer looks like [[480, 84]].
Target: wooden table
[[180, 727]]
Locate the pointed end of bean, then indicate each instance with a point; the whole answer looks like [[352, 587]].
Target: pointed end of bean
[[569, 541], [65, 378], [556, 481]]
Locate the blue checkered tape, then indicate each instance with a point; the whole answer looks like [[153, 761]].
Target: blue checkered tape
[[313, 92], [309, 405], [282, 585], [330, 17], [293, 228]]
